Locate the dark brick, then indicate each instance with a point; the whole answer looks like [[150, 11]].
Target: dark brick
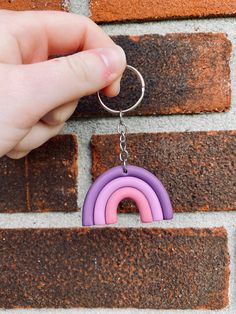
[[12, 184], [134, 10], [45, 180], [197, 168], [114, 268], [183, 74], [33, 5]]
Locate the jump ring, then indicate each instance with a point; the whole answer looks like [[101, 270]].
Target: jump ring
[[133, 106]]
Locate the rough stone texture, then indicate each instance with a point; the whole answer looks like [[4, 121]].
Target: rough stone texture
[[33, 5], [197, 168], [122, 10], [12, 184], [183, 74], [106, 267], [45, 180]]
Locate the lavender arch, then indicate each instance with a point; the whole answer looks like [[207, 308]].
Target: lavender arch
[[116, 172]]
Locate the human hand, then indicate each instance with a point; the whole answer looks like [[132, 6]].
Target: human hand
[[38, 95]]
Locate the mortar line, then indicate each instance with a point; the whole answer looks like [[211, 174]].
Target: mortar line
[[115, 310], [81, 7], [73, 219]]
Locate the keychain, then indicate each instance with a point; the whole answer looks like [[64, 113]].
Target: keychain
[[125, 182]]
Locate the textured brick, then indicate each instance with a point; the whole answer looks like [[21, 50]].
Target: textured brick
[[12, 184], [109, 267], [122, 10], [45, 180], [197, 168], [33, 5], [183, 74]]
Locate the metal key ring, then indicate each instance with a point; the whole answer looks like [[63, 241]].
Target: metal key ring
[[136, 104]]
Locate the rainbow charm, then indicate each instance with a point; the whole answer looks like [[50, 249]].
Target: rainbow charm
[[115, 185]]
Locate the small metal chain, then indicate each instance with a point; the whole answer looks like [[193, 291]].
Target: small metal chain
[[122, 130]]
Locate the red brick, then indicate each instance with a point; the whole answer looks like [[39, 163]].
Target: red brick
[[122, 10], [33, 5], [197, 168], [114, 268], [45, 180], [183, 74]]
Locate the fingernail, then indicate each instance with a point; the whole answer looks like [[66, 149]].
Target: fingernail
[[114, 59], [17, 154]]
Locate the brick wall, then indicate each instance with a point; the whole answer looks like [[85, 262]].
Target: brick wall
[[47, 260]]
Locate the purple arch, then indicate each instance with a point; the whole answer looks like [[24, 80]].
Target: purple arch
[[130, 193], [116, 172], [114, 185]]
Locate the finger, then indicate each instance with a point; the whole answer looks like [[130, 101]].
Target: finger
[[39, 134], [59, 32], [62, 80], [113, 89], [78, 32], [90, 36], [60, 114], [9, 49]]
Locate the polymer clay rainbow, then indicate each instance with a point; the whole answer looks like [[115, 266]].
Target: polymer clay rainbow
[[114, 185]]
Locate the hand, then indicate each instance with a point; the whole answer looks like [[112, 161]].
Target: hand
[[39, 92]]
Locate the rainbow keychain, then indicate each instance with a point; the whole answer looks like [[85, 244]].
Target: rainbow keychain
[[126, 182]]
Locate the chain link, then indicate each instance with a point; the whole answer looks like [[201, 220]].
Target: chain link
[[122, 130]]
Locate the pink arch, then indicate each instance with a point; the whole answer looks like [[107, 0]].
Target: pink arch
[[131, 193]]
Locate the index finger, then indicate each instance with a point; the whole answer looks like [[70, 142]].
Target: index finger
[[64, 33], [60, 33]]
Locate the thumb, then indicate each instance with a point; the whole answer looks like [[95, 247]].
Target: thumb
[[52, 83]]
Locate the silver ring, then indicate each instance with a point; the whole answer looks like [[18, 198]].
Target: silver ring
[[136, 104]]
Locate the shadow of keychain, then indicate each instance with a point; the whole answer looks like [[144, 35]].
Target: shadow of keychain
[[126, 182]]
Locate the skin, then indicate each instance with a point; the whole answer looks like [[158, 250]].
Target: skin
[[40, 92]]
